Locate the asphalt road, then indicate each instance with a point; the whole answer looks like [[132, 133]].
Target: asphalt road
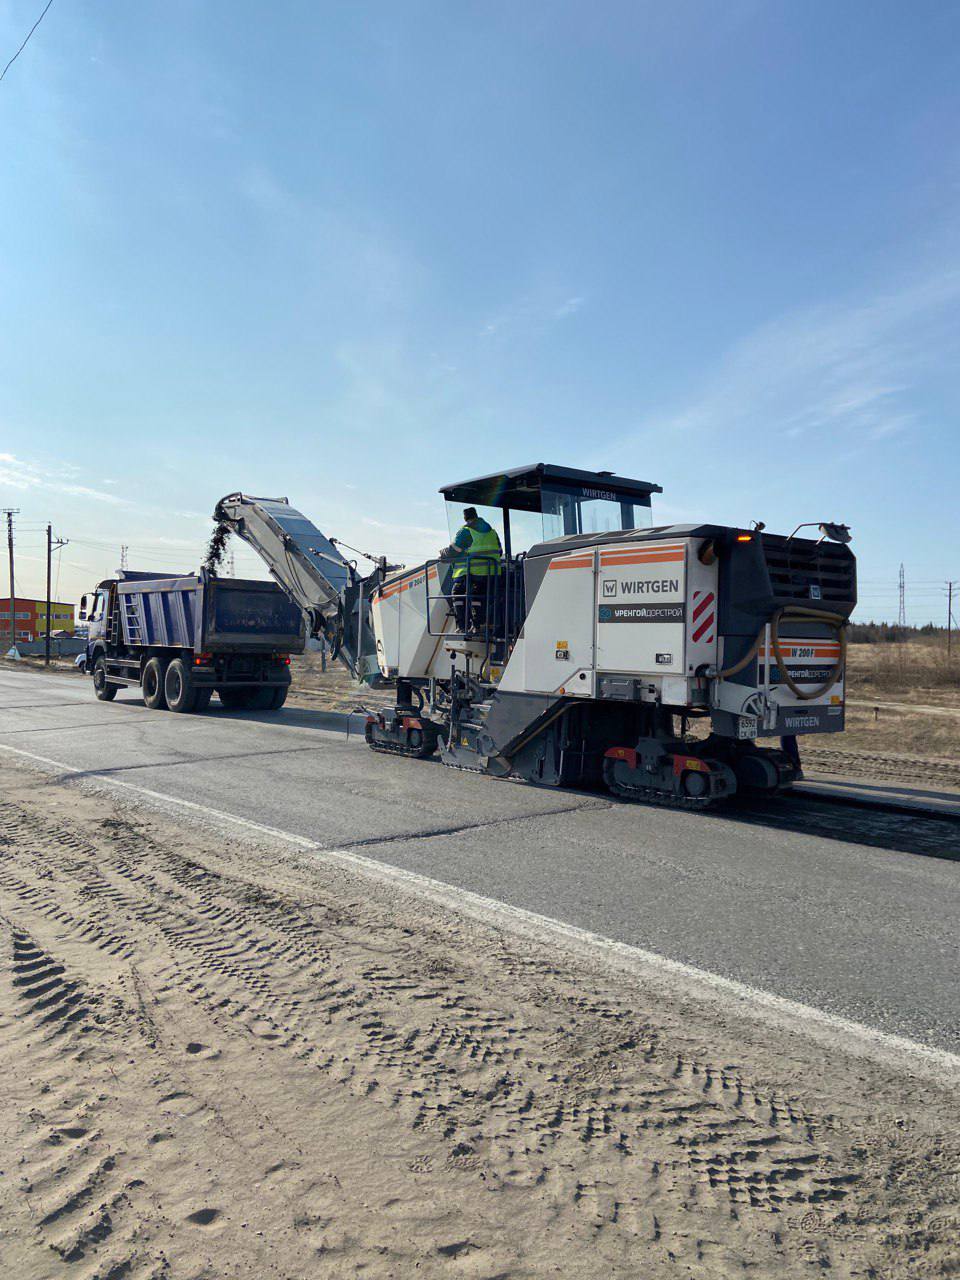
[[824, 906]]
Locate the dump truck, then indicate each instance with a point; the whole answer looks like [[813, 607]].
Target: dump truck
[[597, 649], [184, 638]]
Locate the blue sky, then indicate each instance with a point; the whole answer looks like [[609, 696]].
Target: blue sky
[[347, 252]]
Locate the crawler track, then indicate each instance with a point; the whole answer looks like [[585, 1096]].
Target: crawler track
[[395, 749], [663, 799]]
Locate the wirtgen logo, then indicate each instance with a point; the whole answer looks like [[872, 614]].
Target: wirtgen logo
[[609, 587], [649, 586]]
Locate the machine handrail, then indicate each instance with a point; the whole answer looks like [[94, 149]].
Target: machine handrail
[[491, 594]]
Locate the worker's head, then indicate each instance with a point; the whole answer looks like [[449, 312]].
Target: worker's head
[[470, 516]]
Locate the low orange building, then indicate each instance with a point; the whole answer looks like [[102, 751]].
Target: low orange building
[[31, 617]]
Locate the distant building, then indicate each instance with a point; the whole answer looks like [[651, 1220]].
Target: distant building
[[30, 618]]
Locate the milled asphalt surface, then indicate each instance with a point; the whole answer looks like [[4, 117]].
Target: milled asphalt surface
[[835, 910]]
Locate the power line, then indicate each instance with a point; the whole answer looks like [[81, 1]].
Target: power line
[[26, 40]]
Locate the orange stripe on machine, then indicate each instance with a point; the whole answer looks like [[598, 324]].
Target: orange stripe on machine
[[801, 652], [660, 557], [644, 549], [667, 553], [579, 562], [395, 588]]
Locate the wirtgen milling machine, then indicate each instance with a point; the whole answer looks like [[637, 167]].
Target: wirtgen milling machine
[[586, 652]]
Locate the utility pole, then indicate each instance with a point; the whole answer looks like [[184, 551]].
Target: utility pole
[[902, 619], [51, 546], [949, 616], [10, 512], [123, 556]]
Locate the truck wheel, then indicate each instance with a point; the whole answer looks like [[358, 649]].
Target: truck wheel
[[269, 699], [178, 687], [104, 691], [236, 699], [152, 685]]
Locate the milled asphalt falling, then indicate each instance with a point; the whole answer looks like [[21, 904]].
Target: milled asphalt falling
[[829, 907]]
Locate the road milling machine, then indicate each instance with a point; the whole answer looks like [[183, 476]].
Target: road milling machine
[[597, 649]]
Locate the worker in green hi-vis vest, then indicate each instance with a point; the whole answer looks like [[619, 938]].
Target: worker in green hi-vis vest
[[475, 553]]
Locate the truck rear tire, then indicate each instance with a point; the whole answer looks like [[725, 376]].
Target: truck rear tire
[[178, 689], [152, 685], [269, 699], [237, 699], [104, 691]]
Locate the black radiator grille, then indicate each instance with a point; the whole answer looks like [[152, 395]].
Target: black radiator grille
[[801, 569]]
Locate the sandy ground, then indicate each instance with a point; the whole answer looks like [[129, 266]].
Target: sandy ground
[[224, 1058]]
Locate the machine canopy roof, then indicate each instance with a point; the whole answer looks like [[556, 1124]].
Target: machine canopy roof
[[520, 488]]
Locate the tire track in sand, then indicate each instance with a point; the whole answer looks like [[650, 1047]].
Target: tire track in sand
[[584, 1104]]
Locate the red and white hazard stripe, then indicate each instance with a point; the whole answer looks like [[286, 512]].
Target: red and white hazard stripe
[[704, 615]]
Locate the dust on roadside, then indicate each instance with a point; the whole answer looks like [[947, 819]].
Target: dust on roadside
[[220, 1049]]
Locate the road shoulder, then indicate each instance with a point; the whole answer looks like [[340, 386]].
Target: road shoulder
[[387, 1083]]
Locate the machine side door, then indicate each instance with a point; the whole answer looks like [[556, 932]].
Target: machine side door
[[641, 608], [556, 645]]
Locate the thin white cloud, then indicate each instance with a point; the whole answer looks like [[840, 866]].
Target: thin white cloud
[[841, 369], [569, 308], [532, 314], [17, 473]]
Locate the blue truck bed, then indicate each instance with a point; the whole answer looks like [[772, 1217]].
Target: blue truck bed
[[208, 614]]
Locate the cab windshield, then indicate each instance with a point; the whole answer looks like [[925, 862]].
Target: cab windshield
[[569, 511], [564, 511]]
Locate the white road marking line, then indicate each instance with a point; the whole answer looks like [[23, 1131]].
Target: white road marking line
[[857, 1035], [94, 775]]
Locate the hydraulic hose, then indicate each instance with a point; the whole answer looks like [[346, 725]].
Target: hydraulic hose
[[747, 658], [800, 614], [836, 621]]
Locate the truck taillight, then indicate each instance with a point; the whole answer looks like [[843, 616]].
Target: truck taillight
[[202, 659]]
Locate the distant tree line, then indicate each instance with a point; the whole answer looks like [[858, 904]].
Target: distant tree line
[[889, 633]]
